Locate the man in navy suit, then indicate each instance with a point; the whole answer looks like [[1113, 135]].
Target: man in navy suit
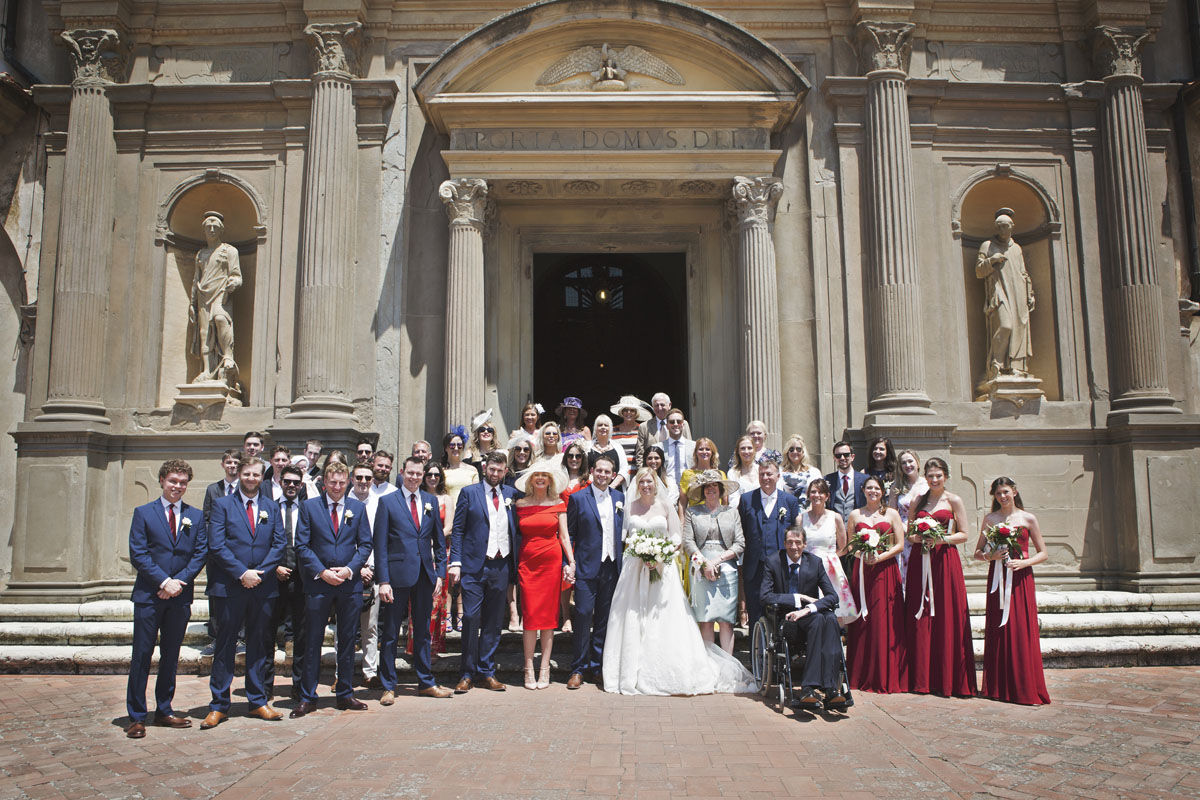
[[410, 562], [247, 541], [483, 555], [214, 492], [767, 513], [594, 519], [332, 544], [167, 547], [798, 584], [289, 606], [845, 484]]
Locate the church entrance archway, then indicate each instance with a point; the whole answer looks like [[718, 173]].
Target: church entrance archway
[[606, 325]]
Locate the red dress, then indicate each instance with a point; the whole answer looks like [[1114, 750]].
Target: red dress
[[1012, 654], [437, 619], [539, 565], [876, 648], [941, 659]]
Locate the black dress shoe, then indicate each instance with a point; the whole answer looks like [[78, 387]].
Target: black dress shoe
[[351, 704], [304, 708], [808, 700], [295, 693], [834, 698]]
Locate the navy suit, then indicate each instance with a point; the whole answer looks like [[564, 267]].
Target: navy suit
[[212, 494], [319, 548], [411, 561], [289, 605], [764, 539], [236, 548], [595, 579], [157, 554], [845, 503], [484, 580], [823, 640]]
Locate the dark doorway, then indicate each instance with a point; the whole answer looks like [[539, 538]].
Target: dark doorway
[[607, 325]]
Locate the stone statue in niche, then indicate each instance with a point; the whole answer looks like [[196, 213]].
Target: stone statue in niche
[[218, 274], [1008, 299]]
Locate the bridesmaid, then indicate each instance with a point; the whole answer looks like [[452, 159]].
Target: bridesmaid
[[1012, 652], [941, 659], [908, 486], [875, 645]]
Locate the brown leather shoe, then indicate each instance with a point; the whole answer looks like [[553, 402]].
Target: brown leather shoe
[[463, 686], [172, 721], [213, 719], [136, 730], [267, 713], [389, 698], [305, 707], [351, 704], [436, 691], [491, 683], [575, 681]]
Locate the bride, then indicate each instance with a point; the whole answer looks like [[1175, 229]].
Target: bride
[[653, 645]]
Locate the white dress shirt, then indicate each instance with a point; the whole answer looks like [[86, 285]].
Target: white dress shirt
[[768, 502], [797, 600], [604, 507], [497, 523]]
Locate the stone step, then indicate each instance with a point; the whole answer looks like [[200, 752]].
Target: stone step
[[1129, 623]]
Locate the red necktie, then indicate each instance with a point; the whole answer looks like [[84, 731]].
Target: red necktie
[[845, 485], [495, 500], [412, 506], [171, 522], [333, 517], [250, 516]]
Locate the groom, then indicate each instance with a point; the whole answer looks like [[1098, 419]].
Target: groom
[[594, 518]]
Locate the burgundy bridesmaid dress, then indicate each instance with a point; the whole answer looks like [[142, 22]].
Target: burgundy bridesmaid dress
[[1012, 651]]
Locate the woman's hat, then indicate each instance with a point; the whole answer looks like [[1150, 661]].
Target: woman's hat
[[558, 477], [629, 401], [706, 478], [481, 419], [572, 402]]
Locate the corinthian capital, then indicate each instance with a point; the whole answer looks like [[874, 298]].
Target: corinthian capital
[[466, 201], [1118, 51], [96, 55], [753, 199], [335, 46], [883, 45]]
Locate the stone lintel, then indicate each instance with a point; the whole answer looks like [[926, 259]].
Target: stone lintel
[[592, 165]]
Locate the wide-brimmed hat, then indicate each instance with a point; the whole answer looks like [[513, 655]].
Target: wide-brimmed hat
[[572, 402], [480, 419], [630, 401], [709, 476], [558, 477]]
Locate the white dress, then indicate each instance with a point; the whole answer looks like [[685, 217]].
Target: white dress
[[821, 539], [653, 645]]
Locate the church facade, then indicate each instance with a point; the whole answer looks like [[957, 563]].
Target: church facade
[[784, 212]]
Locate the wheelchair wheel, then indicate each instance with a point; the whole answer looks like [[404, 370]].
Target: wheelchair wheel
[[783, 662], [762, 656]]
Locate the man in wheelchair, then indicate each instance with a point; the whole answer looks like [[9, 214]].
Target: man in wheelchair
[[796, 582]]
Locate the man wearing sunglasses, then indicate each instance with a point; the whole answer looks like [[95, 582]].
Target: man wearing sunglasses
[[845, 484], [289, 606], [364, 450]]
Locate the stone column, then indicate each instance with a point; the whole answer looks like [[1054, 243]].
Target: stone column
[[753, 199], [327, 253], [75, 390], [466, 203], [1138, 337], [895, 352]]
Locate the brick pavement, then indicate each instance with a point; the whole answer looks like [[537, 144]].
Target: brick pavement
[[1128, 733]]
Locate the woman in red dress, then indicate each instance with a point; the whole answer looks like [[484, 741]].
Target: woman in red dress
[[941, 659], [876, 654], [434, 482], [1012, 651], [542, 519]]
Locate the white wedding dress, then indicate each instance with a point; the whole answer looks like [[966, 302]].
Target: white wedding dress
[[653, 645]]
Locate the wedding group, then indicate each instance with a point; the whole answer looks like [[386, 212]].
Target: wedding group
[[627, 534]]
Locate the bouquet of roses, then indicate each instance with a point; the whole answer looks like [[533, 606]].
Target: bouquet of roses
[[869, 541], [1003, 538], [930, 530], [653, 550]]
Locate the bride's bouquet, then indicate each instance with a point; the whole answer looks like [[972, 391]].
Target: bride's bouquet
[[653, 550]]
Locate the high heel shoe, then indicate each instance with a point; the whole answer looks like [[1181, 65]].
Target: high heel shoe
[[529, 681], [543, 679]]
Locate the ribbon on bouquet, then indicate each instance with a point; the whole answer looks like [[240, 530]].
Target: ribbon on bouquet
[[1002, 583], [862, 588], [926, 584]]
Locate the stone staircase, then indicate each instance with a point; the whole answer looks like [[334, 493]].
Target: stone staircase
[[1079, 629]]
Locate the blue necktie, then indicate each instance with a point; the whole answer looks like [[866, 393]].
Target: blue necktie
[[794, 579]]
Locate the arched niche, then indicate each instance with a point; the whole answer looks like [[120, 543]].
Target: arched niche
[[181, 237], [1037, 227]]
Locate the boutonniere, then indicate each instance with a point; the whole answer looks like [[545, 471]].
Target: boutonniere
[[508, 502], [349, 515], [186, 523], [782, 515], [428, 508], [620, 506], [262, 515]]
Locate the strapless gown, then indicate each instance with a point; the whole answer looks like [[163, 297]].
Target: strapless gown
[[876, 649], [1012, 652]]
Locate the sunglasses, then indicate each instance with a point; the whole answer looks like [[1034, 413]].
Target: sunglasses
[[487, 430], [454, 447], [795, 449], [573, 455], [525, 449], [364, 452], [362, 478], [843, 455], [291, 482]]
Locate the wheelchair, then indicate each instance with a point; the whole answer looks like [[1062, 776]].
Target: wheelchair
[[772, 662]]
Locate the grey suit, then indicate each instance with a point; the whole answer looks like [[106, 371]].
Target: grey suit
[[648, 434]]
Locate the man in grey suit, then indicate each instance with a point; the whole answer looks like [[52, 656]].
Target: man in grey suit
[[655, 429], [677, 447]]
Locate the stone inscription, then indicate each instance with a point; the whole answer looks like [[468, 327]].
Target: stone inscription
[[538, 139]]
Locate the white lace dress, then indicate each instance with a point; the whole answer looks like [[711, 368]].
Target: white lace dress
[[653, 645]]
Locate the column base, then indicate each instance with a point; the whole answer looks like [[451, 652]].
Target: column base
[[329, 407], [73, 411], [335, 434], [900, 404], [1147, 402]]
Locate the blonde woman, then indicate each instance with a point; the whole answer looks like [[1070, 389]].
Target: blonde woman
[[605, 445], [797, 471], [549, 442], [743, 469]]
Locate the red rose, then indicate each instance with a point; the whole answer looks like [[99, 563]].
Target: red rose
[[924, 527], [1004, 530], [864, 536]]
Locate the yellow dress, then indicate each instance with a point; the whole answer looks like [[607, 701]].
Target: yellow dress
[[457, 478]]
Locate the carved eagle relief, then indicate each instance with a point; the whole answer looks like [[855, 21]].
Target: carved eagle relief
[[607, 66]]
